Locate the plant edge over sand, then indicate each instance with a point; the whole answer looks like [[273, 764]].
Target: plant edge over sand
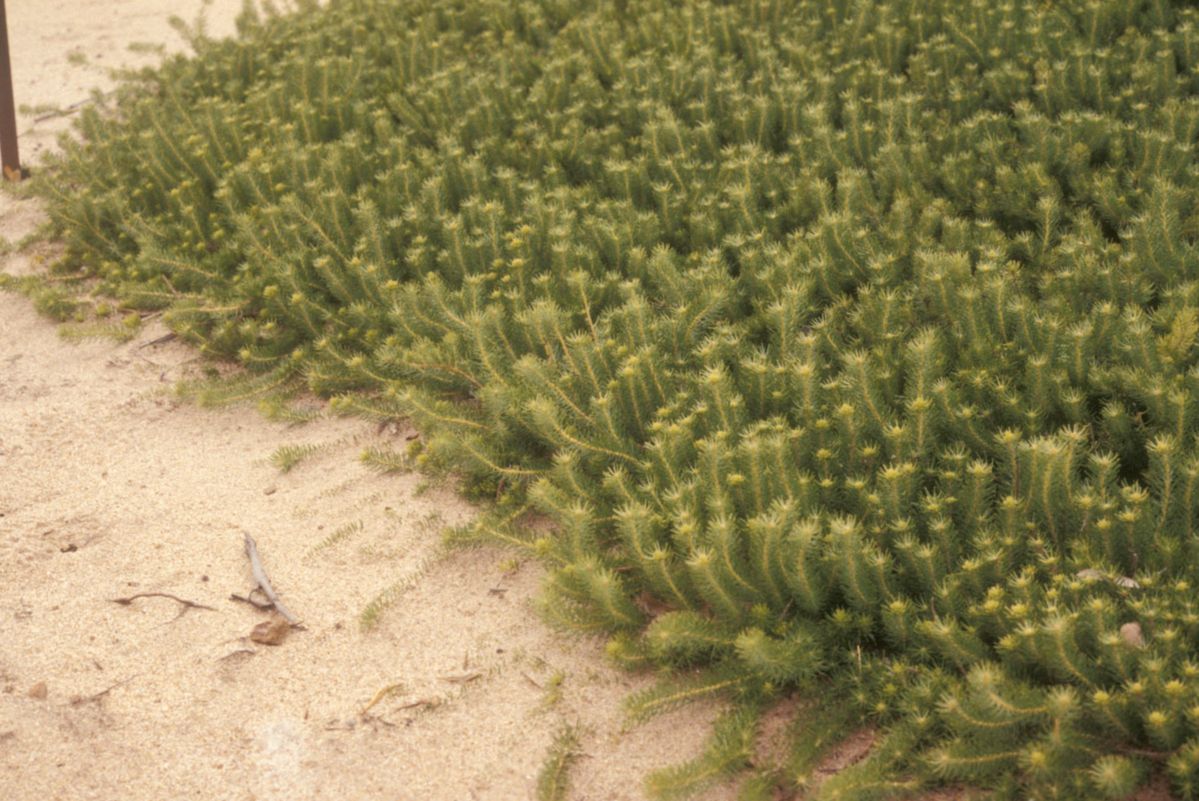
[[850, 346]]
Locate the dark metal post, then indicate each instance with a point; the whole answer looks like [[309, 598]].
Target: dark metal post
[[10, 160]]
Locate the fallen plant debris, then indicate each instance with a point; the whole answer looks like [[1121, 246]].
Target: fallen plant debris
[[168, 337], [264, 605], [237, 653], [185, 605], [384, 692], [837, 341], [263, 584], [421, 703], [271, 632], [462, 678], [1091, 573], [79, 700]]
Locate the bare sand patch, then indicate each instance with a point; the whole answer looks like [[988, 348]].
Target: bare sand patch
[[111, 487]]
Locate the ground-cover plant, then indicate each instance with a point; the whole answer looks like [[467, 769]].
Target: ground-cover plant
[[850, 345]]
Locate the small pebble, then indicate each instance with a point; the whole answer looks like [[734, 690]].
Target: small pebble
[[1131, 634], [38, 691]]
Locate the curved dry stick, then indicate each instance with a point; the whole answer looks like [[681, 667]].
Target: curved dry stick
[[183, 610], [264, 583]]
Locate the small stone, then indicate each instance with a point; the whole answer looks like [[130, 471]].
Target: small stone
[[1131, 634], [270, 490], [271, 632], [38, 691]]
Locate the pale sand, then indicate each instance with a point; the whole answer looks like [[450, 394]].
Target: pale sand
[[109, 486]]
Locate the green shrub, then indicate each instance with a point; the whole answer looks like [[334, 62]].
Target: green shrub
[[849, 344]]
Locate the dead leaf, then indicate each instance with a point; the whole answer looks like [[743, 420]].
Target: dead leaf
[[271, 632], [1091, 574]]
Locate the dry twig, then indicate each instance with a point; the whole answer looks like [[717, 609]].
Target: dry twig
[[79, 700], [158, 340], [390, 689], [419, 703], [462, 678], [249, 599], [264, 583], [186, 605]]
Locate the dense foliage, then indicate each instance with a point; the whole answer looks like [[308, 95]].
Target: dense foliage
[[850, 345]]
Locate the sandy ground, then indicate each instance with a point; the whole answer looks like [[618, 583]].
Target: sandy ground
[[109, 486]]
